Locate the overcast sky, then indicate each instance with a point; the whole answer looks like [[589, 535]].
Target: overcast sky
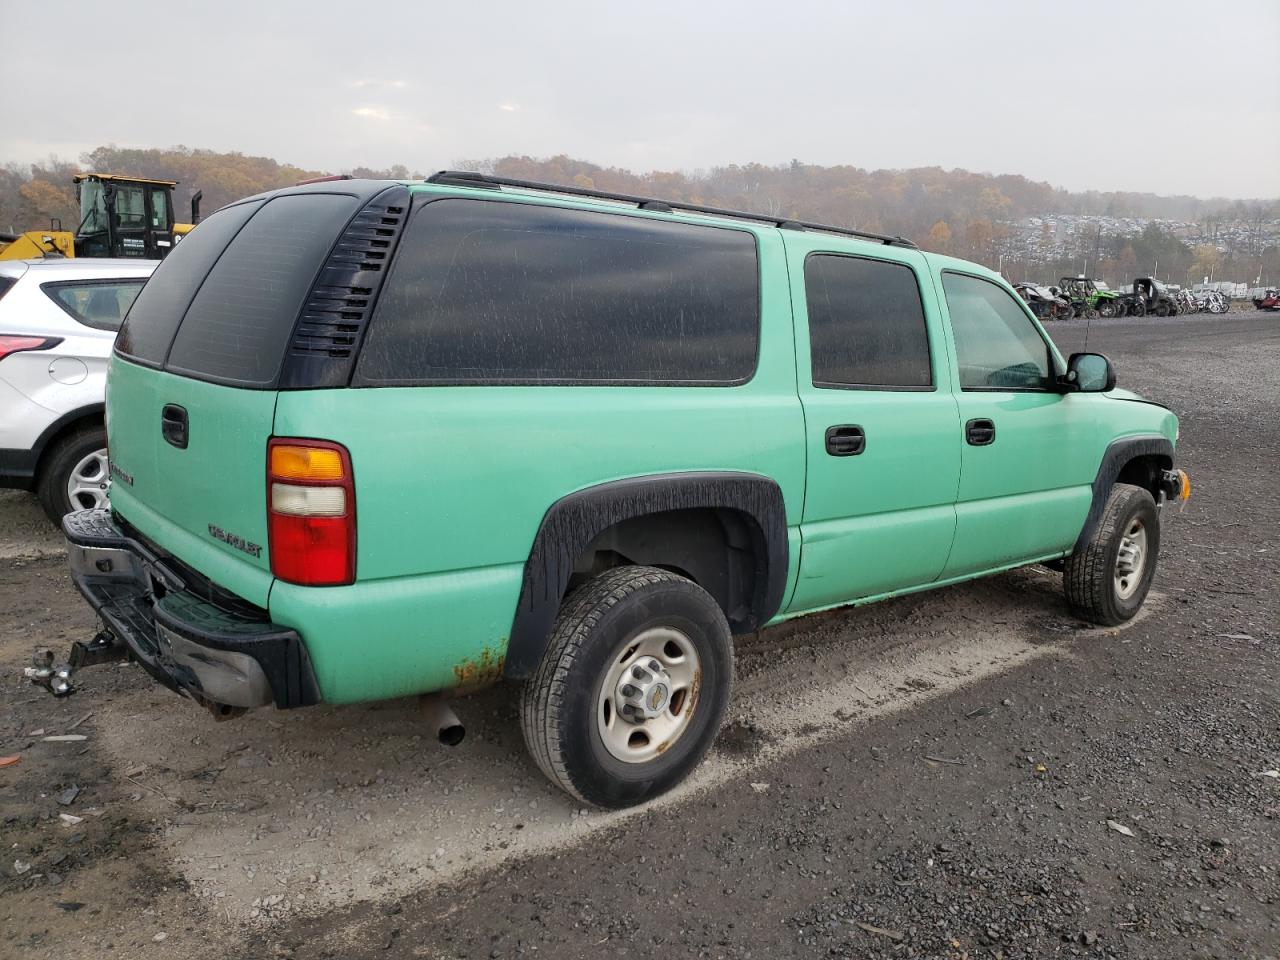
[[1165, 96]]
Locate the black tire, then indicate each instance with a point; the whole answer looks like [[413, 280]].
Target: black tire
[[56, 466], [1108, 309], [1139, 309], [1090, 574], [559, 704]]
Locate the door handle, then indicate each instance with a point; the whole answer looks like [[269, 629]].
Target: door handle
[[846, 440], [173, 425], [979, 432]]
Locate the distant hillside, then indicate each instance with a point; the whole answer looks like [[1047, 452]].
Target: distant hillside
[[995, 219]]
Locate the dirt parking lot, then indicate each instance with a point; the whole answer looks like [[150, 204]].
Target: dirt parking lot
[[965, 773]]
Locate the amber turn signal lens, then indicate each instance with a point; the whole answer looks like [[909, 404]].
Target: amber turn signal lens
[[1184, 491], [290, 462]]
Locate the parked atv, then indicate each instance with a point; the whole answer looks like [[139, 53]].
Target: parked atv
[[1149, 296], [1090, 298], [1270, 299]]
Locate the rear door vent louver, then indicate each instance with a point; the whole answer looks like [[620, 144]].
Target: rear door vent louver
[[336, 313]]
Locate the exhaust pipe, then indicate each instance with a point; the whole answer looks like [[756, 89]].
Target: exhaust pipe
[[441, 718]]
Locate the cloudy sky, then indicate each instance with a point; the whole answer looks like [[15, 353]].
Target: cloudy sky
[[1165, 96]]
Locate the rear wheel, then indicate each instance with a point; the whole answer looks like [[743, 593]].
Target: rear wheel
[[74, 474], [632, 688], [1107, 579]]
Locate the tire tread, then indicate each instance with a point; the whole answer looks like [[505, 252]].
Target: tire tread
[[542, 697], [1087, 575]]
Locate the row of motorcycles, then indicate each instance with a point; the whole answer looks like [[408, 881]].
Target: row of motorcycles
[[1208, 302], [1090, 299]]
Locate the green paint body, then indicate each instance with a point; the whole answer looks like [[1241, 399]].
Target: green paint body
[[447, 514]]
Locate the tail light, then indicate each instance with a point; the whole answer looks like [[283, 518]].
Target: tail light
[[311, 512], [10, 343]]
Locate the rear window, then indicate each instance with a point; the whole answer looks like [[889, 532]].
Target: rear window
[[155, 315], [239, 324], [505, 292], [100, 304]]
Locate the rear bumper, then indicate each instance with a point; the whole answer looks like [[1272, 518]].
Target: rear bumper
[[199, 648]]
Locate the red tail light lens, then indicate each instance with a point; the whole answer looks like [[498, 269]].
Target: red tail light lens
[[17, 344], [311, 512]]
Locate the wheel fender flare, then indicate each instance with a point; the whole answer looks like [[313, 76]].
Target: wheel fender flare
[[573, 521], [1118, 453]]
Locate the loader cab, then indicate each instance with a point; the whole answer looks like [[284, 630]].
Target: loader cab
[[124, 216]]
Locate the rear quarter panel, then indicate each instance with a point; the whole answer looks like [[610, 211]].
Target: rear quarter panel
[[453, 482]]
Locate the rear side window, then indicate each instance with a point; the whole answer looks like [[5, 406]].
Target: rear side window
[[5, 284], [100, 304], [239, 324], [503, 292], [155, 315], [866, 324]]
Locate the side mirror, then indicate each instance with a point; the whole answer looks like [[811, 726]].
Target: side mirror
[[1090, 373]]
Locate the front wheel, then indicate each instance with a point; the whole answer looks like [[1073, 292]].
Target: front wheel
[[1107, 578], [1108, 309], [632, 688]]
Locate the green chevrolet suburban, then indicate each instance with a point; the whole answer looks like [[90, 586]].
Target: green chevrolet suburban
[[377, 439]]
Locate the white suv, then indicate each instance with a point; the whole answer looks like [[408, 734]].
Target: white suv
[[58, 320]]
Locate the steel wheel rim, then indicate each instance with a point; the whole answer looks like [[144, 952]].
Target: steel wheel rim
[[1131, 560], [88, 482], [640, 740]]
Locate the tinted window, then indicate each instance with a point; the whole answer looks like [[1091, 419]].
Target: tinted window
[[497, 291], [95, 303], [154, 318], [997, 347], [5, 284], [866, 323], [240, 321], [129, 206], [159, 209]]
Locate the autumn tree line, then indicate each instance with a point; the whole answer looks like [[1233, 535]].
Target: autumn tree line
[[965, 214]]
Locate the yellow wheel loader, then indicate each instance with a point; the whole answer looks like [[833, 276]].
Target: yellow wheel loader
[[119, 217]]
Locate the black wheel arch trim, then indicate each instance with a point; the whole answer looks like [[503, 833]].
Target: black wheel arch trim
[[1118, 453], [92, 411], [573, 521]]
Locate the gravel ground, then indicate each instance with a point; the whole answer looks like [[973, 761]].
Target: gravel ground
[[818, 827], [25, 532]]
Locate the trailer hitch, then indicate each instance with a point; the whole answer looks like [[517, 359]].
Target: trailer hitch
[[103, 648]]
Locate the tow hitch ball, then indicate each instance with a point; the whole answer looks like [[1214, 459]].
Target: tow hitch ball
[[103, 648]]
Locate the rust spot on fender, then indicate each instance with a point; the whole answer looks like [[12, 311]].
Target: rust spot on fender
[[480, 671]]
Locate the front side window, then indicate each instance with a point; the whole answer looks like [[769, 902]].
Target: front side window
[[95, 303], [997, 346], [486, 292], [866, 323]]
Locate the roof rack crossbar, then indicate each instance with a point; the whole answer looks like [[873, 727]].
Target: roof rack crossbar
[[466, 178]]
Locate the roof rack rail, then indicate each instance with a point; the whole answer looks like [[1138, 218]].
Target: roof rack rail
[[465, 178]]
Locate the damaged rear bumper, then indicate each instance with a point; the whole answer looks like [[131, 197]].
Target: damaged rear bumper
[[221, 656]]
